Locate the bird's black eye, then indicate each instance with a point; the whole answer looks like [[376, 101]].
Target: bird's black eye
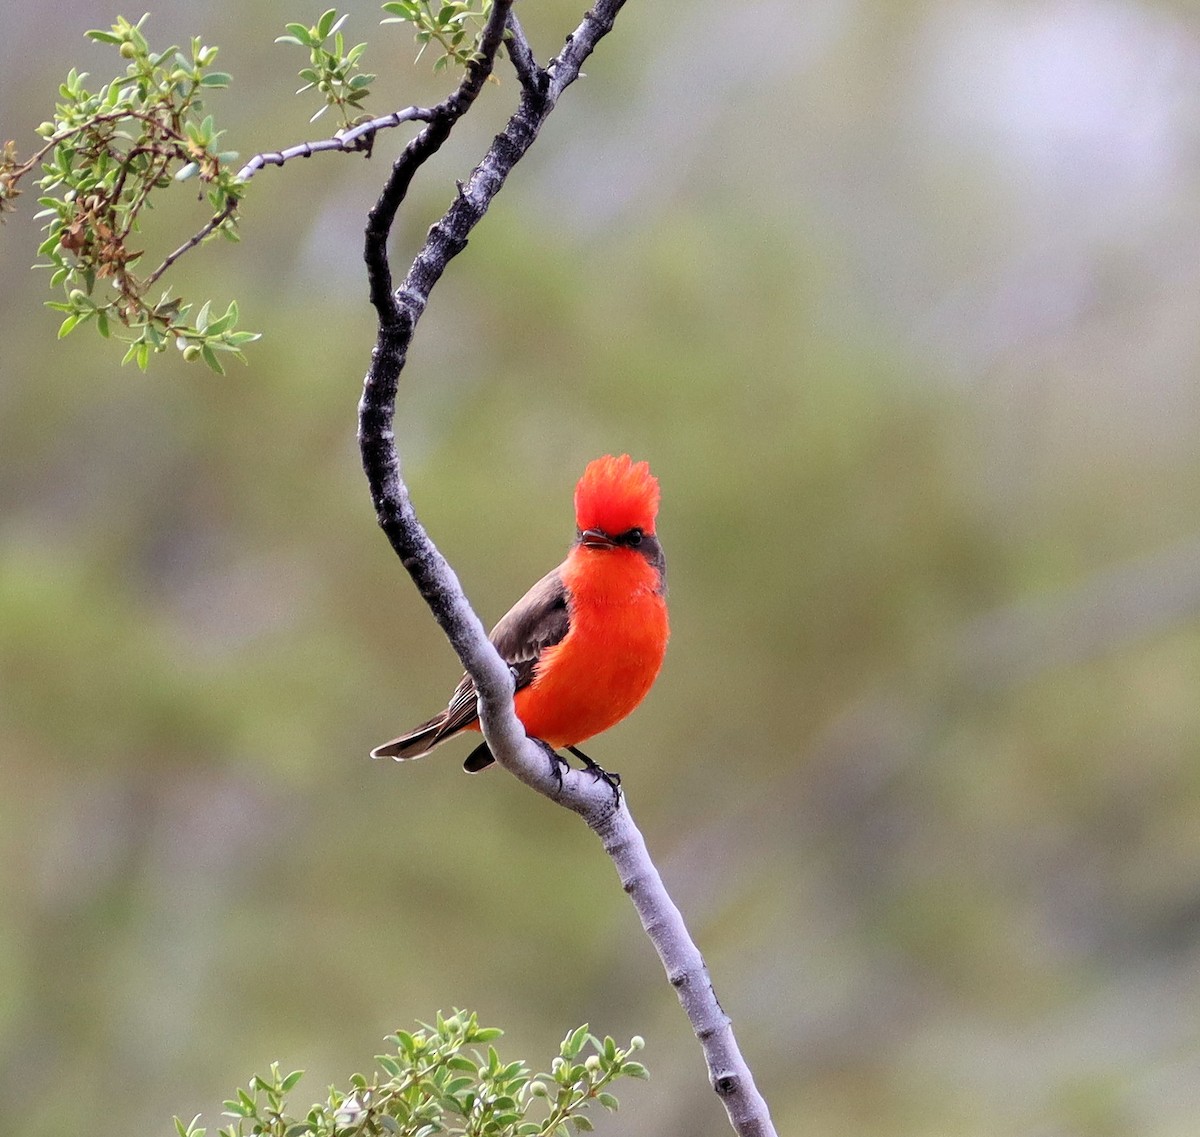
[[633, 538]]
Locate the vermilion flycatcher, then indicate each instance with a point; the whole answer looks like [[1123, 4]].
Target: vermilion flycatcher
[[586, 642]]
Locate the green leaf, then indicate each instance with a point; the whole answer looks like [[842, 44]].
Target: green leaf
[[325, 23], [219, 325], [67, 326], [210, 357], [290, 1081], [573, 1043]]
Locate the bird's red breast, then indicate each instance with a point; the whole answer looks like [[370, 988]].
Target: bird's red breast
[[608, 660]]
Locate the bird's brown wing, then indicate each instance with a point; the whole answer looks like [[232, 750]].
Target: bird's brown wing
[[537, 621]]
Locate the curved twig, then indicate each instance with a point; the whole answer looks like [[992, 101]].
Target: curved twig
[[398, 310], [216, 220], [352, 138]]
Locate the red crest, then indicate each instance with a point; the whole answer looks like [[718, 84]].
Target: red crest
[[616, 495]]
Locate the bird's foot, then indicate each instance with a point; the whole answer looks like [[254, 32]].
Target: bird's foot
[[557, 762], [613, 781]]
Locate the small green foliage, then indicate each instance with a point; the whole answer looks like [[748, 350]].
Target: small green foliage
[[109, 152], [437, 1080], [106, 153], [334, 73], [452, 24]]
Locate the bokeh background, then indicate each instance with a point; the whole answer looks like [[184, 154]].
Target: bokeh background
[[902, 302]]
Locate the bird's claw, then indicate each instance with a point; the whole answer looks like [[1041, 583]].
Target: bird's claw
[[610, 779], [557, 764]]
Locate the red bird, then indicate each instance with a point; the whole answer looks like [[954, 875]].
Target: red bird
[[587, 641]]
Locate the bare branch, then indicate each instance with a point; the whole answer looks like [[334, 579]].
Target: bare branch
[[414, 155], [532, 77], [398, 311], [728, 1073], [351, 139]]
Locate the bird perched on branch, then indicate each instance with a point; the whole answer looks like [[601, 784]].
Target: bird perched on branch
[[586, 642]]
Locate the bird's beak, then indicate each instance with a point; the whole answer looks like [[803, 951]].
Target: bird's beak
[[596, 539]]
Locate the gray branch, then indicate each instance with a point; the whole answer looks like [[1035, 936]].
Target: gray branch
[[532, 77], [350, 139], [399, 309]]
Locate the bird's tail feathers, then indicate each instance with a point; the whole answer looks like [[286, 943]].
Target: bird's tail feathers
[[417, 742], [479, 759]]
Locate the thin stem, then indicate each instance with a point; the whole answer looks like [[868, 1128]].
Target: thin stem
[[213, 222]]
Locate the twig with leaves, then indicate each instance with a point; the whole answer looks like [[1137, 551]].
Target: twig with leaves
[[108, 152], [437, 1079]]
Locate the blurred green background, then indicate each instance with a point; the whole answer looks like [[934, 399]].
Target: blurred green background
[[901, 301]]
